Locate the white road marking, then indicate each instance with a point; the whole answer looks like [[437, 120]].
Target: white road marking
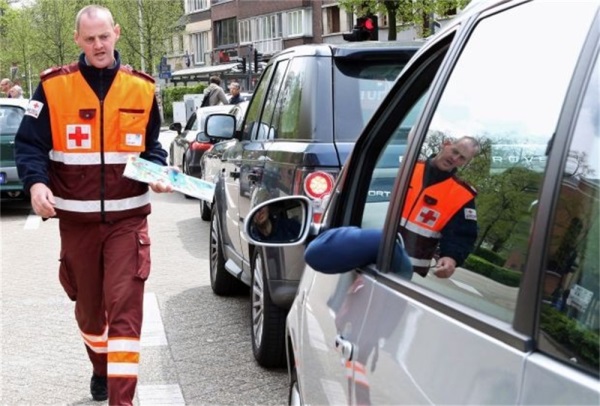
[[160, 395], [33, 222], [153, 331], [153, 334]]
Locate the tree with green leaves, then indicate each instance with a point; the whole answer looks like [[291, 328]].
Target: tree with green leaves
[[39, 34]]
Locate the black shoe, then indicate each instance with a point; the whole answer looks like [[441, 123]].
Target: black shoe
[[98, 387]]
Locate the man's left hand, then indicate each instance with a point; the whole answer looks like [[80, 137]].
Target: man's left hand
[[445, 267]]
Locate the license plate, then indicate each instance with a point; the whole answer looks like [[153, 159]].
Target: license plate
[[2, 178]]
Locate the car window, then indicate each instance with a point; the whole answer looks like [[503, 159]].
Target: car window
[[386, 169], [10, 119], [251, 123], [266, 131], [511, 110], [359, 88], [570, 307], [286, 121]]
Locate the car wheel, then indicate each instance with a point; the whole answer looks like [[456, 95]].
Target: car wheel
[[294, 398], [222, 282], [268, 319], [205, 210]]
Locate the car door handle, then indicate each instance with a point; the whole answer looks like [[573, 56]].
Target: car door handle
[[344, 347], [234, 175]]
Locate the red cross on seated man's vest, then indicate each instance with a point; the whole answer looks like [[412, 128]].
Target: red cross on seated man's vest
[[78, 136]]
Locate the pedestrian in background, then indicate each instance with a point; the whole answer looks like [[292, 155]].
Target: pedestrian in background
[[5, 85], [214, 93], [234, 89], [71, 156], [15, 92]]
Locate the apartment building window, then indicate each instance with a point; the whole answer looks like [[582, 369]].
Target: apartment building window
[[245, 31], [200, 47], [225, 32], [297, 23], [268, 27], [331, 20], [191, 6]]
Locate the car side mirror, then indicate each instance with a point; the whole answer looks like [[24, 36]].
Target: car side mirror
[[283, 221], [220, 126], [175, 127]]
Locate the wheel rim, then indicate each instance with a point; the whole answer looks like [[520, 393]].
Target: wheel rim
[[258, 301], [214, 248]]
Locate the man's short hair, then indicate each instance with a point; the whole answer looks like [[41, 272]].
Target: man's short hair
[[234, 84], [215, 79]]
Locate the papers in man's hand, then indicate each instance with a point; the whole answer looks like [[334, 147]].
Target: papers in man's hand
[[145, 171]]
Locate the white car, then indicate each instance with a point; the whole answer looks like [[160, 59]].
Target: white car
[[517, 323]]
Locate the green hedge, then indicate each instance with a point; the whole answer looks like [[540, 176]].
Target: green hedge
[[567, 332], [494, 272], [176, 93], [490, 256]]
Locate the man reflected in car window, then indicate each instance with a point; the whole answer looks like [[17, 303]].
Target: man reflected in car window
[[439, 218]]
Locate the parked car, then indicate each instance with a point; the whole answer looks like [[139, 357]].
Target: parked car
[[309, 106], [518, 322], [210, 163], [191, 142], [11, 114]]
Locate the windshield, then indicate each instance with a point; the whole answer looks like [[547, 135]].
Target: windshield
[[10, 119]]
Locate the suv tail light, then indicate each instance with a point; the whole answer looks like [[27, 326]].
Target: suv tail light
[[317, 186], [200, 146]]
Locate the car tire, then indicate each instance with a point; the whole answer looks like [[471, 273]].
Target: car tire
[[205, 210], [267, 319], [294, 398], [222, 282]]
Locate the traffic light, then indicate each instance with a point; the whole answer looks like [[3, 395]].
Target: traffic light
[[365, 29]]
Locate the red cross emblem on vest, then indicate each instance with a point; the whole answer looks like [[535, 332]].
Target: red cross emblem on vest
[[79, 136], [428, 216]]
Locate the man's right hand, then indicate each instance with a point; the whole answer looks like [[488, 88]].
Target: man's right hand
[[42, 200]]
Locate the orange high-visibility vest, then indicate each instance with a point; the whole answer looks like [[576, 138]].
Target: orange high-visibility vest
[[92, 140], [426, 212]]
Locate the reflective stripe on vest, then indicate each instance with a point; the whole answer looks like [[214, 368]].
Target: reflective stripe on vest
[[415, 228], [93, 206], [91, 158]]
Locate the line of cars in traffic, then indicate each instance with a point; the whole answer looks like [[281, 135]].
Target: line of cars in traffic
[[518, 322]]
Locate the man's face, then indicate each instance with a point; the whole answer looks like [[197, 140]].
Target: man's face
[[234, 90], [454, 155], [4, 86], [97, 38]]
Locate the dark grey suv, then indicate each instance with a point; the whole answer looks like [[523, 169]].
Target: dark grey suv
[[309, 107]]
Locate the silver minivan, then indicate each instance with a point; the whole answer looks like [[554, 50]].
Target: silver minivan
[[518, 321]]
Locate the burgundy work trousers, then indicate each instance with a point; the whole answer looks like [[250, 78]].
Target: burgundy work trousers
[[103, 267]]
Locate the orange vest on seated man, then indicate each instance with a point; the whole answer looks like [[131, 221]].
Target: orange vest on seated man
[[427, 210], [91, 142]]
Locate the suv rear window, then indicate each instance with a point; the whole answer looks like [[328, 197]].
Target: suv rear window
[[359, 88]]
